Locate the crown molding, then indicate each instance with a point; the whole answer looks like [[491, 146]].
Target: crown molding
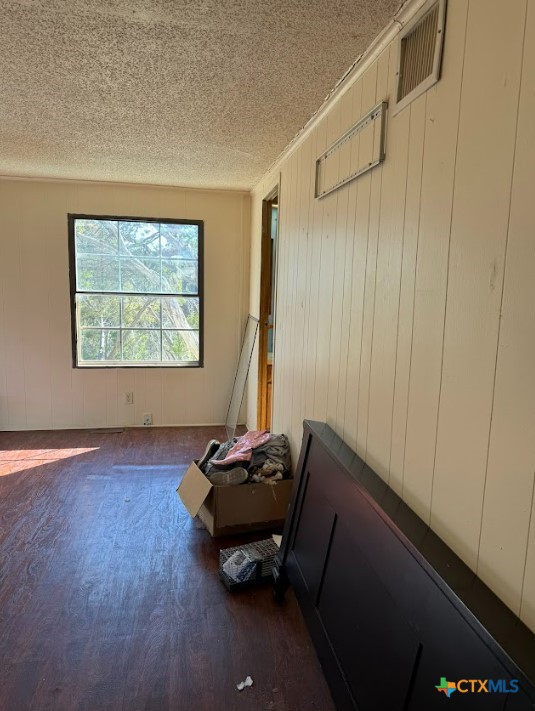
[[112, 183]]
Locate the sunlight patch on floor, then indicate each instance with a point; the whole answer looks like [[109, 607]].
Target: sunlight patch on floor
[[18, 460]]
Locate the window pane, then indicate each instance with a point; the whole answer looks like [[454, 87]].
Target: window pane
[[137, 299], [95, 273], [141, 311], [141, 345], [179, 277], [96, 236], [100, 344], [140, 275], [180, 241], [96, 310], [180, 312], [180, 345], [139, 239]]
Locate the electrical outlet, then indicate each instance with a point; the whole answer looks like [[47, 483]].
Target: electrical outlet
[[129, 398], [147, 418]]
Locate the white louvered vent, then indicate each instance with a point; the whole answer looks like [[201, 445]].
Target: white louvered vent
[[420, 53]]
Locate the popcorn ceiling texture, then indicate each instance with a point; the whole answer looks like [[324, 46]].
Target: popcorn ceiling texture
[[174, 92]]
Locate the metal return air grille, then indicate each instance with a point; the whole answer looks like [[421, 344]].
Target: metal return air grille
[[420, 50], [417, 52]]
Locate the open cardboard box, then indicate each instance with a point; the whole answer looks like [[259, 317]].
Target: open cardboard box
[[234, 509]]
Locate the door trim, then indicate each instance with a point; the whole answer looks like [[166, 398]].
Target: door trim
[[263, 416]]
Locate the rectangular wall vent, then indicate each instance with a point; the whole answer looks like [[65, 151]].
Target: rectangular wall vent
[[360, 149], [420, 53]]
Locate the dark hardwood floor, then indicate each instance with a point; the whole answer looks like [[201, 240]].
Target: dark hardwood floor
[[109, 593]]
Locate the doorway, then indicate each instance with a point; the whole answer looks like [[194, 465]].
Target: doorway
[[266, 340]]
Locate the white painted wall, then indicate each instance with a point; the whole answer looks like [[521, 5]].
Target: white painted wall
[[405, 314], [39, 389]]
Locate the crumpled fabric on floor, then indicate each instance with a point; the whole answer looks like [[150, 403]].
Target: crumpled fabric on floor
[[277, 450], [243, 449], [268, 462]]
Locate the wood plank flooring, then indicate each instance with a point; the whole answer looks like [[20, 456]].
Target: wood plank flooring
[[109, 594]]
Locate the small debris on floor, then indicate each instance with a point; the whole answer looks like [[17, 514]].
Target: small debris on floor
[[248, 682]]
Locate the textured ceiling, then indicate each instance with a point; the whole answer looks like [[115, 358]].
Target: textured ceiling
[[170, 92]]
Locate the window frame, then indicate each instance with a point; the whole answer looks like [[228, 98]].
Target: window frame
[[71, 220]]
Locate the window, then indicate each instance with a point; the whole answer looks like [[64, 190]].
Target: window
[[136, 291]]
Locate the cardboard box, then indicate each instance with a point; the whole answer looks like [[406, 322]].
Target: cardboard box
[[226, 510]]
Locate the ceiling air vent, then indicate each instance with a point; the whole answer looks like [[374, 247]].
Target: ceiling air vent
[[420, 53]]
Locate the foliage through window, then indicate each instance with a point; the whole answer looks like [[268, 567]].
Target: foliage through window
[[136, 290]]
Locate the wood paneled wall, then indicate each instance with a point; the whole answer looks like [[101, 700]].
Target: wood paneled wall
[[39, 389], [406, 300]]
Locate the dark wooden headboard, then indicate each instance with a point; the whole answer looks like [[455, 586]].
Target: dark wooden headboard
[[392, 611]]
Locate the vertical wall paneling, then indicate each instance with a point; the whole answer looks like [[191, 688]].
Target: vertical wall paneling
[[482, 194], [300, 281], [95, 399], [368, 84], [320, 141], [309, 329], [527, 604], [388, 277], [371, 272], [355, 95], [327, 275], [126, 382], [296, 252], [291, 367], [524, 224], [154, 386], [141, 392], [442, 115], [111, 398], [417, 344], [508, 499], [411, 229], [340, 239], [77, 399]]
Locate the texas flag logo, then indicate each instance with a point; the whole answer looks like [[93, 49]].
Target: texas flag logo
[[447, 687]]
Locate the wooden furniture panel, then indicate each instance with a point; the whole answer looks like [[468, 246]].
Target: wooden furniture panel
[[373, 615], [390, 607]]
